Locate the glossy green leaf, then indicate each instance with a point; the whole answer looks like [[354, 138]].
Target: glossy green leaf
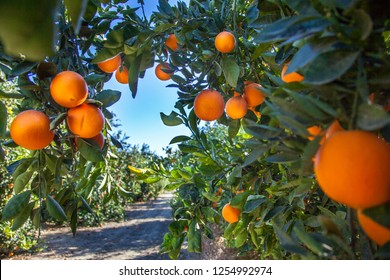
[[54, 208], [253, 202], [178, 139], [90, 150], [329, 66], [108, 97], [171, 120], [23, 216], [21, 181], [194, 238], [371, 117], [15, 205], [58, 120], [283, 157], [231, 71]]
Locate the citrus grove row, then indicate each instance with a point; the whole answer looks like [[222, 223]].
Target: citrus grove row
[[287, 105]]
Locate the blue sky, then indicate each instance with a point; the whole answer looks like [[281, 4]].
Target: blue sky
[[140, 117]]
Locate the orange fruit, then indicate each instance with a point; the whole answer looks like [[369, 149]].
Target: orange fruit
[[225, 42], [171, 42], [219, 192], [111, 64], [291, 77], [99, 139], [375, 231], [209, 105], [352, 168], [236, 107], [85, 121], [69, 89], [333, 128], [163, 76], [230, 213], [314, 131], [122, 76], [31, 130], [253, 94]]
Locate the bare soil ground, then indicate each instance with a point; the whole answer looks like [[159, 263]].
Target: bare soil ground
[[137, 238]]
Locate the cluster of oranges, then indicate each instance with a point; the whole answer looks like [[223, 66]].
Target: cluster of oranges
[[351, 167], [209, 104], [31, 129], [114, 64]]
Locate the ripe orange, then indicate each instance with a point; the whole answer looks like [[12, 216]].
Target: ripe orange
[[291, 77], [225, 42], [171, 42], [376, 232], [85, 120], [352, 168], [314, 131], [163, 76], [333, 128], [111, 64], [99, 139], [236, 107], [69, 89], [122, 76], [31, 130], [230, 213], [209, 105], [253, 94]]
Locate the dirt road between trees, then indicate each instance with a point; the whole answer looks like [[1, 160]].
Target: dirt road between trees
[[137, 238]]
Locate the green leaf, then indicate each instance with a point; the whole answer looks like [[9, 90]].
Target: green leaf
[[239, 200], [3, 120], [58, 120], [329, 66], [90, 150], [231, 70], [23, 216], [22, 180], [254, 155], [372, 117], [260, 131], [253, 202], [180, 138], [240, 239], [308, 239], [15, 205], [194, 238], [172, 119], [28, 28], [76, 10], [108, 97], [234, 128], [287, 242], [55, 210], [134, 63], [22, 68], [114, 39], [283, 157]]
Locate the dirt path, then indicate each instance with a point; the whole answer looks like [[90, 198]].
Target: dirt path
[[137, 238]]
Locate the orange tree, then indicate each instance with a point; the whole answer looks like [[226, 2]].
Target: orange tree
[[315, 61], [53, 103], [297, 64]]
